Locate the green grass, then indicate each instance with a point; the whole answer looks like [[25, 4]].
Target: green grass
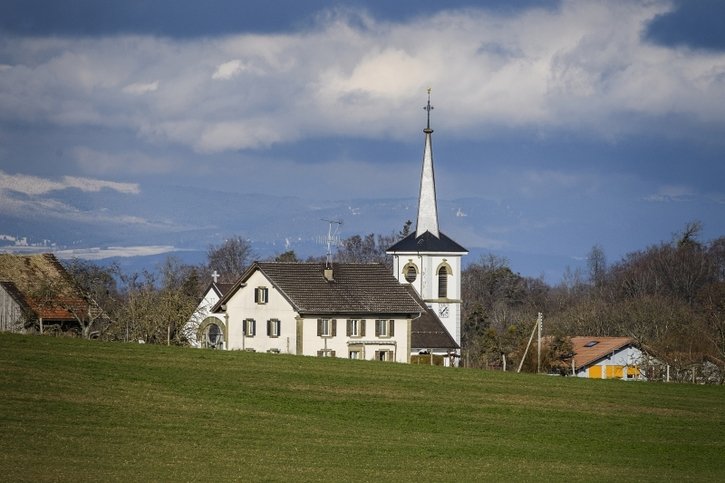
[[75, 410]]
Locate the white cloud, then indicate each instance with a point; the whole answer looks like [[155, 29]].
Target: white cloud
[[583, 67], [34, 185], [108, 252], [227, 70], [139, 88]]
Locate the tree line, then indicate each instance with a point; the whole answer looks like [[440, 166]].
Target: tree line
[[668, 297]]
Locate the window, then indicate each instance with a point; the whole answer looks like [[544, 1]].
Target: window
[[442, 282], [355, 354], [591, 343], [326, 353], [384, 328], [261, 295], [273, 327], [326, 327], [355, 328], [384, 355], [250, 327], [410, 271]]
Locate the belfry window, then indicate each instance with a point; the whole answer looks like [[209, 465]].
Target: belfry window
[[410, 271], [442, 282]]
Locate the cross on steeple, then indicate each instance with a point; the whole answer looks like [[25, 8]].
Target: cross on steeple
[[215, 276], [427, 206], [428, 108]]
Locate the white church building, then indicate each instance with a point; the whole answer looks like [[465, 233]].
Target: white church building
[[356, 311]]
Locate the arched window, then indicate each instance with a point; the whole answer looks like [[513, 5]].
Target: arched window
[[442, 282], [214, 336], [410, 271], [211, 333]]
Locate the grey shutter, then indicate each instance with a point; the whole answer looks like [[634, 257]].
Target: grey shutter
[[266, 295], [319, 327], [334, 327], [319, 353], [377, 331], [256, 296], [349, 327], [392, 328], [269, 327], [254, 327], [332, 353], [362, 328]]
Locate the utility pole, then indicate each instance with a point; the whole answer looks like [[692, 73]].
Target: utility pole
[[539, 324]]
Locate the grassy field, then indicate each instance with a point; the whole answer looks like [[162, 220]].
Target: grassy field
[[76, 410]]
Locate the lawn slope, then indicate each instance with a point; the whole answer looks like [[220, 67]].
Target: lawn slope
[[75, 410]]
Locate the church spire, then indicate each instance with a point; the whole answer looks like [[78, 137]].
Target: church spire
[[427, 206]]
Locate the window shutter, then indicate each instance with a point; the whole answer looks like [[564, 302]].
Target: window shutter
[[319, 353], [349, 327], [334, 327], [332, 353], [319, 327], [362, 328], [391, 332], [265, 299], [256, 296], [269, 327]]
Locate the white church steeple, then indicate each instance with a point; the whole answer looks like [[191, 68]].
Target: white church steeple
[[427, 259], [427, 206]]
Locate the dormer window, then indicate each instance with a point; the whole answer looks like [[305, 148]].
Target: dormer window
[[261, 295]]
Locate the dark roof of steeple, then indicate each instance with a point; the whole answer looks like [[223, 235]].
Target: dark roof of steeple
[[427, 242]]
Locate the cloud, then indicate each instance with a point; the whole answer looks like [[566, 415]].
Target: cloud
[[134, 163], [109, 252], [671, 193], [227, 70], [34, 185], [584, 67], [139, 88]]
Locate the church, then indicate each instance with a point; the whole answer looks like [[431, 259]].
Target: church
[[349, 310]]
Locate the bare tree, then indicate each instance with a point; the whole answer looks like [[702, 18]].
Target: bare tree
[[230, 259]]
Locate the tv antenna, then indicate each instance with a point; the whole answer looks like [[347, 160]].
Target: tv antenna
[[332, 238]]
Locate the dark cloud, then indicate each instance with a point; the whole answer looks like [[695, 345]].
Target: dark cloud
[[697, 24], [179, 18]]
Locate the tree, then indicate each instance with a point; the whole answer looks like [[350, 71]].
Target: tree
[[288, 257], [597, 263], [230, 259]]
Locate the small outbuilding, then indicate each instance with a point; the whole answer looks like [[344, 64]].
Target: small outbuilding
[[607, 358]]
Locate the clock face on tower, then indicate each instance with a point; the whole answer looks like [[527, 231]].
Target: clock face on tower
[[443, 311]]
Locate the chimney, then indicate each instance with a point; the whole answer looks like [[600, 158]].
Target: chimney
[[328, 273]]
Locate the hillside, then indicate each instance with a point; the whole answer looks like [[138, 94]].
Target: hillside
[[78, 410]]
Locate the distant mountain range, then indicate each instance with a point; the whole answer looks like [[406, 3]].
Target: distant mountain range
[[139, 229]]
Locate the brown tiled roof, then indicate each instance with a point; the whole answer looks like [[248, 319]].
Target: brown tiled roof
[[584, 356], [28, 274], [427, 331], [356, 289]]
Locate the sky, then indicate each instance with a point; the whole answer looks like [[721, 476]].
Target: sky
[[586, 122]]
